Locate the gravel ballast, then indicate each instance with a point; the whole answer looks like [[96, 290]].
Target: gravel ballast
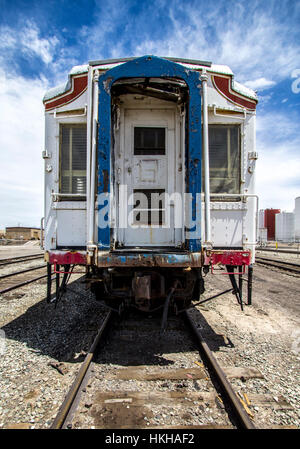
[[44, 346]]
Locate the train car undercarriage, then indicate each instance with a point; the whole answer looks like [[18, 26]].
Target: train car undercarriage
[[150, 289]]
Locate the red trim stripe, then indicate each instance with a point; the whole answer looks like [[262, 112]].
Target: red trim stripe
[[78, 86], [223, 85]]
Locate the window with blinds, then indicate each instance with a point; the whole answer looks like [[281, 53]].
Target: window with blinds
[[224, 158], [73, 159]]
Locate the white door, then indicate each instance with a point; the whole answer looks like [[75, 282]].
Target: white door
[[149, 173]]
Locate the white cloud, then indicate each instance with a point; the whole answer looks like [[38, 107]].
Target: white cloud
[[278, 179], [26, 41], [250, 38], [278, 166], [260, 84], [33, 44], [22, 124], [21, 143], [7, 38], [278, 128]]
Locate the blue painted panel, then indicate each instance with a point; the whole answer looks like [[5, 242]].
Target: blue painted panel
[[150, 66]]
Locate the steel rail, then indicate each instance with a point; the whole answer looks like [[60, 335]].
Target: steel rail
[[283, 262], [22, 284], [282, 265], [69, 399], [22, 271], [278, 251], [241, 416], [17, 259]]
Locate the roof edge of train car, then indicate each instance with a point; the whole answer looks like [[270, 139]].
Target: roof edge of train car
[[222, 78]]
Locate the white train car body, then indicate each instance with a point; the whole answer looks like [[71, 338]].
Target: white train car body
[[122, 131]]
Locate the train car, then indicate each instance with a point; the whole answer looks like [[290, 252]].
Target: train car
[[149, 179]]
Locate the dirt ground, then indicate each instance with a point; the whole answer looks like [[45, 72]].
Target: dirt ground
[[30, 247], [276, 295]]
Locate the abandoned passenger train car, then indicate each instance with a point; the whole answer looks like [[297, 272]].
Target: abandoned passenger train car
[[149, 178]]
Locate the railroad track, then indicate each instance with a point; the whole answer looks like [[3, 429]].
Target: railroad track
[[9, 283], [19, 259], [286, 266], [153, 365], [4, 276], [278, 251], [17, 279]]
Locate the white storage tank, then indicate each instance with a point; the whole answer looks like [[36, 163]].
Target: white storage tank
[[262, 235], [261, 218], [297, 219], [285, 227]]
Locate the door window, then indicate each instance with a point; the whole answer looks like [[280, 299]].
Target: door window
[[149, 141]]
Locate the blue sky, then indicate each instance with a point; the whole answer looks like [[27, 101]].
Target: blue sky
[[41, 40]]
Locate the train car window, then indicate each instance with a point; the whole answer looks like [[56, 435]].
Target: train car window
[[224, 158], [73, 159], [149, 141]]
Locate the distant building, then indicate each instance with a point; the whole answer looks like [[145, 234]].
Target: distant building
[[285, 227], [23, 233], [270, 222], [2, 233]]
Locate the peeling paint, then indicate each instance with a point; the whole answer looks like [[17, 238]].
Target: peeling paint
[[105, 180], [113, 259], [106, 84], [151, 66]]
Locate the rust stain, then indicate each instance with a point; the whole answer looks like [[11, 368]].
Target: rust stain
[[142, 260], [105, 180]]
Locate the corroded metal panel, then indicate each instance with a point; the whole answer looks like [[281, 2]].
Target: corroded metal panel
[[113, 259], [227, 257], [66, 257]]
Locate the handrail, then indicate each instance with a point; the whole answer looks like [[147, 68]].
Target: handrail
[[204, 78], [91, 246]]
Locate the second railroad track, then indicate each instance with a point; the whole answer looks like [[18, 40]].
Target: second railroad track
[[280, 264]]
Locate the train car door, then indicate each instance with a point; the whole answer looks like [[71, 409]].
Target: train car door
[[149, 166]]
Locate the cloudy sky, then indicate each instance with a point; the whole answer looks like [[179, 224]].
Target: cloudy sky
[[41, 40]]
